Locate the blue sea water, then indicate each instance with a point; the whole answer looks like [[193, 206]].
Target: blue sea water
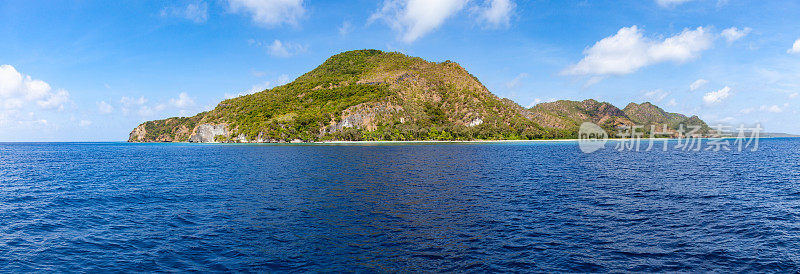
[[542, 207]]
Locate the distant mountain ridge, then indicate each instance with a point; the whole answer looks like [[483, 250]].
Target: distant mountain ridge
[[565, 114], [647, 114], [376, 95]]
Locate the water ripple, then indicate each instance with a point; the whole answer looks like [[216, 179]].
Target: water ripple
[[510, 207]]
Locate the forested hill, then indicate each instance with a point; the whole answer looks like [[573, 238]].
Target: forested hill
[[375, 95]]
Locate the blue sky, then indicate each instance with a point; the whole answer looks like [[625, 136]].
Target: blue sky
[[93, 70]]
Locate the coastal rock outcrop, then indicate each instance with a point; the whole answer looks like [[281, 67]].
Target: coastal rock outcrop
[[138, 134], [364, 116], [207, 133]]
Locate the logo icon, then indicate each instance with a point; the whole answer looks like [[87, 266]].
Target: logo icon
[[591, 137]]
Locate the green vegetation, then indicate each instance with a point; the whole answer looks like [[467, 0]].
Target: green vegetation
[[647, 114], [176, 129], [569, 115], [373, 95]]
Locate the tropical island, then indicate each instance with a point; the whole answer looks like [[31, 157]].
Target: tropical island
[[371, 95]]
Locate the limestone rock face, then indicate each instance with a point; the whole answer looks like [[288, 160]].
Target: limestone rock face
[[242, 138], [364, 116], [476, 122], [206, 133], [138, 134]]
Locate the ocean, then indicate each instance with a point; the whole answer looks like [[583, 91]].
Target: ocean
[[452, 207]]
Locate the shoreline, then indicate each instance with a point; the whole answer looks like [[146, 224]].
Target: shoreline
[[515, 141], [441, 141], [384, 142], [444, 141]]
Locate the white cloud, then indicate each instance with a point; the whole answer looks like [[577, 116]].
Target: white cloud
[[496, 13], [259, 88], [537, 101], [282, 80], [141, 106], [10, 81], [733, 34], [146, 110], [514, 83], [104, 108], [746, 111], [771, 108], [670, 3], [15, 119], [793, 95], [628, 51], [416, 18], [672, 102], [12, 103], [698, 84], [727, 120], [413, 19], [183, 101], [795, 47], [197, 13], [255, 88], [55, 100], [85, 123], [594, 80], [17, 90], [258, 73], [285, 49], [345, 29], [656, 96], [128, 102], [36, 89], [270, 13], [717, 96]]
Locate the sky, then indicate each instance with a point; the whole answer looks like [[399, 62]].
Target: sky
[[93, 70]]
